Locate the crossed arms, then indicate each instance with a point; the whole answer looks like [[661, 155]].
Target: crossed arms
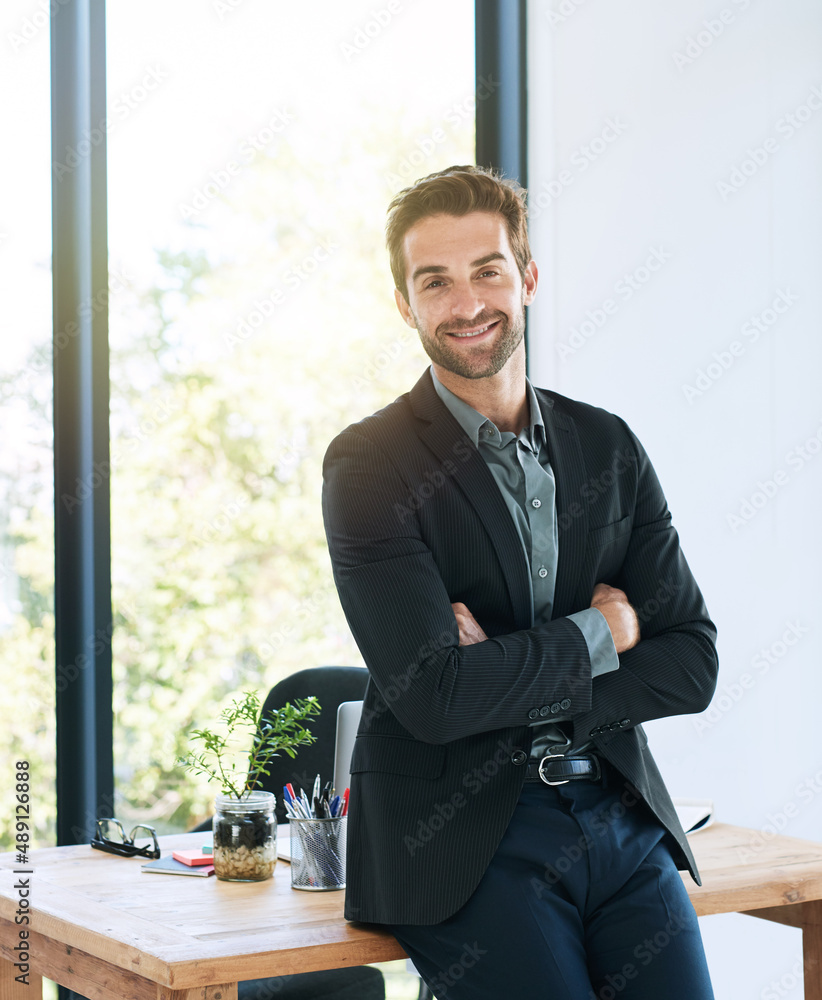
[[611, 602], [453, 680]]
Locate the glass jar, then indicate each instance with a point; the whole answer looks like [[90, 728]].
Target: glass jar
[[245, 837]]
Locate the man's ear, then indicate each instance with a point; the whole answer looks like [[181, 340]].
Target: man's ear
[[529, 283], [405, 309]]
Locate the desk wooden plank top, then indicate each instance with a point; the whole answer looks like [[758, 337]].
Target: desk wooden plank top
[[183, 931], [193, 932], [744, 869]]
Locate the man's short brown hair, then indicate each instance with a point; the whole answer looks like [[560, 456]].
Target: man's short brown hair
[[457, 191]]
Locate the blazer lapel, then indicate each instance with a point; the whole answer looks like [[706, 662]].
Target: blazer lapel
[[447, 440], [572, 513]]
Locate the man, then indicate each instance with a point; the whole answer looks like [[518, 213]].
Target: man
[[507, 564]]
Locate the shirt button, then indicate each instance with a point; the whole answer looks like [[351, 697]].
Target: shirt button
[[489, 432], [536, 503], [543, 572]]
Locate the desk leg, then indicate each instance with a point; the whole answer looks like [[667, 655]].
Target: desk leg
[[226, 991], [10, 989], [812, 948]]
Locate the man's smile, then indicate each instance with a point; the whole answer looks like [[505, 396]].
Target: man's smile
[[477, 331]]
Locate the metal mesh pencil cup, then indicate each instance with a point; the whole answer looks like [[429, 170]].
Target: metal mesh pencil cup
[[318, 853]]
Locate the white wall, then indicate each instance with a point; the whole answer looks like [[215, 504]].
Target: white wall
[[650, 187]]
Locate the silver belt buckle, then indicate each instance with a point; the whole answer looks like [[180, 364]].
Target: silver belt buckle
[[552, 756]]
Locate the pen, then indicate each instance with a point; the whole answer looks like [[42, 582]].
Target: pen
[[290, 805], [298, 805], [306, 804], [345, 802]]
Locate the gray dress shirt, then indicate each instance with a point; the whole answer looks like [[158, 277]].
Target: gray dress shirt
[[521, 469]]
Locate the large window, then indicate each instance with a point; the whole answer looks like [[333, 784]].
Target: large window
[[254, 153]]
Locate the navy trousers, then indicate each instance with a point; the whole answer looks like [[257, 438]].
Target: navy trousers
[[582, 901]]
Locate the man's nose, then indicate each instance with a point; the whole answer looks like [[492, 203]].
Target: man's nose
[[466, 302]]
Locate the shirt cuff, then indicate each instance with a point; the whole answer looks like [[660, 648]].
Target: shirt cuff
[[597, 635]]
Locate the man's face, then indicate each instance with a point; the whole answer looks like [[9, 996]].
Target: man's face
[[465, 294]]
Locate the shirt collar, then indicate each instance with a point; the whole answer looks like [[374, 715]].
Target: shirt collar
[[473, 422]]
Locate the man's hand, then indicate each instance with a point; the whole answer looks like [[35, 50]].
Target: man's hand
[[621, 617], [470, 631]]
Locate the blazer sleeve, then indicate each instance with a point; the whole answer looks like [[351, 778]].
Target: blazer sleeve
[[400, 615], [673, 668]]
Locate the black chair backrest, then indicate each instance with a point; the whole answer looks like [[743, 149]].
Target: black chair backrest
[[331, 685]]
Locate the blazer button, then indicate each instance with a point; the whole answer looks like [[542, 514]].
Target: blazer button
[[534, 713], [545, 710], [519, 757], [625, 722], [565, 704], [555, 708]]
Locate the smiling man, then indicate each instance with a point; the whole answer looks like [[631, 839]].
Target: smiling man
[[507, 564], [477, 347]]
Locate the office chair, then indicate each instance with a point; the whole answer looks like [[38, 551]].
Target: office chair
[[331, 686]]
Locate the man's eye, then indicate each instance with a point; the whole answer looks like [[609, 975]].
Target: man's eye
[[434, 284], [491, 273]]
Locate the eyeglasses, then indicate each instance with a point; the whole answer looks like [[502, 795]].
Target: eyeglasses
[[115, 841]]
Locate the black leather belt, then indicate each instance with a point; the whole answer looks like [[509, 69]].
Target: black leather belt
[[557, 769]]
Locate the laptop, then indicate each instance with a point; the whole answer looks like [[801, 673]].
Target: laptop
[[348, 721]]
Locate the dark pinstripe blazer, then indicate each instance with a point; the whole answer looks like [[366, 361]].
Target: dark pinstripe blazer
[[414, 521]]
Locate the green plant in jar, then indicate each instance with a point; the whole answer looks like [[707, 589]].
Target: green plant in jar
[[245, 827]]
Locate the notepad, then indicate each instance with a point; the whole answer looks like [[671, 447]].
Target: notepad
[[694, 814], [193, 858], [168, 866]]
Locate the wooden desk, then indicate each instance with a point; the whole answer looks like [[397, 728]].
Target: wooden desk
[[777, 878], [103, 928]]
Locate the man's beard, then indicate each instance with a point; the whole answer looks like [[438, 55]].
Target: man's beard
[[484, 364]]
